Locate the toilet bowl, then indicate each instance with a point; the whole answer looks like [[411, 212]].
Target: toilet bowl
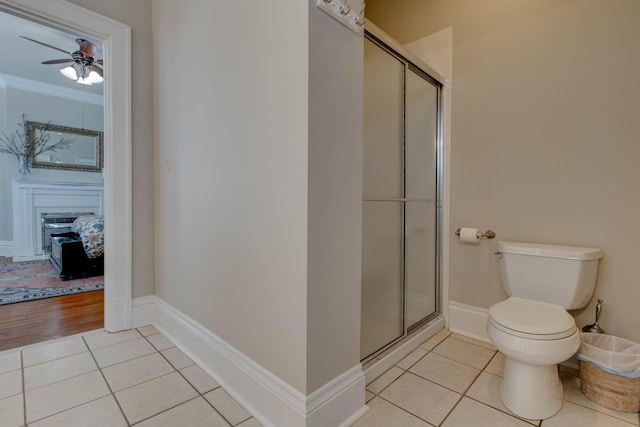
[[534, 336], [532, 327]]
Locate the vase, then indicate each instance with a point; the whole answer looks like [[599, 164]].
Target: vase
[[24, 165]]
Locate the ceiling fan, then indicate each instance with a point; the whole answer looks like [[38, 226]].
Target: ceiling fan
[[84, 68]]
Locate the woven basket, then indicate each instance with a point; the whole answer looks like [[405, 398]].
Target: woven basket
[[609, 390]]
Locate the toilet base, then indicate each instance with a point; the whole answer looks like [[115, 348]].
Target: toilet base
[[531, 391]]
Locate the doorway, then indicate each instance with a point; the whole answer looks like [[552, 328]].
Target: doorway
[[116, 39], [401, 197]]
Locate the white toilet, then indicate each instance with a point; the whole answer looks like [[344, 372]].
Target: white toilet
[[532, 327]]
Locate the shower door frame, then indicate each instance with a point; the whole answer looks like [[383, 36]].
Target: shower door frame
[[413, 64]]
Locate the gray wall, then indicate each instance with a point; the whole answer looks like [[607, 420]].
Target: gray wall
[[259, 190], [137, 14], [544, 142], [335, 198], [231, 186]]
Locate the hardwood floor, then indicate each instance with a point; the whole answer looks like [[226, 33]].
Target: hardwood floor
[[30, 322]]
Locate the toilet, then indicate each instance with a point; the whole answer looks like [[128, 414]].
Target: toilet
[[532, 327]]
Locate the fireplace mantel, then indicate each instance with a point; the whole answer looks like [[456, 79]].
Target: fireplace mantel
[[32, 197]]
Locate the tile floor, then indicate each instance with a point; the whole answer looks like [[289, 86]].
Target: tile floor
[[135, 377], [140, 378], [453, 381]]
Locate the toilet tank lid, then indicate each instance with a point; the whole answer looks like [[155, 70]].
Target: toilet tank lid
[[552, 251]]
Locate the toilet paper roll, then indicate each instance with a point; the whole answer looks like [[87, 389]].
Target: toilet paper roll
[[470, 235]]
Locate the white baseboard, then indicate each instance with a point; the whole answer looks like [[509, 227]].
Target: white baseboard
[[269, 399], [469, 320], [143, 309], [6, 248]]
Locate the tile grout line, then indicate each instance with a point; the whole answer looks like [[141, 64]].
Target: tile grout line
[[24, 391], [72, 407], [405, 410], [462, 395], [106, 382], [189, 382]]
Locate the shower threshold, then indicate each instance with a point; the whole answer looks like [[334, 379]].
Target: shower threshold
[[381, 363]]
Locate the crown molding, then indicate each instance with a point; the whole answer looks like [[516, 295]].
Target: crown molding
[[15, 82]]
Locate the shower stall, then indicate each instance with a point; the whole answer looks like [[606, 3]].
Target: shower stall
[[401, 196]]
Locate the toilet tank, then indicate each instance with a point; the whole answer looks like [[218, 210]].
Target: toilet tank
[[563, 275]]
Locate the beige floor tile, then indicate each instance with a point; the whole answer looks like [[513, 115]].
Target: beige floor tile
[[575, 415], [471, 413], [368, 396], [435, 340], [227, 406], [136, 371], [9, 361], [199, 379], [152, 397], [384, 414], [10, 384], [446, 372], [422, 398], [54, 350], [177, 358], [58, 370], [464, 352], [160, 342], [251, 422], [496, 366], [57, 397], [411, 358], [470, 340], [121, 352], [101, 339], [12, 411], [194, 413], [486, 389], [148, 330], [384, 380], [103, 412], [573, 393]]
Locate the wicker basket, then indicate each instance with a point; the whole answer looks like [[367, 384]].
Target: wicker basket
[[609, 390]]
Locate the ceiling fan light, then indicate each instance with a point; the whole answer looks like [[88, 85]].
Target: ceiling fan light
[[69, 72], [84, 81], [94, 77]]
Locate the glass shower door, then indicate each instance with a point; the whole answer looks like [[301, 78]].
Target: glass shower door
[[421, 138], [400, 198], [382, 209]]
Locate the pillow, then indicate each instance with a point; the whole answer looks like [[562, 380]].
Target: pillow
[[90, 228]]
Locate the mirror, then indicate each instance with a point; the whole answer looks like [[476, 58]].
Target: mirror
[[84, 153]]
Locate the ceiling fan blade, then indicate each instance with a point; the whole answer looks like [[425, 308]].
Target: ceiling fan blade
[[47, 45], [57, 61], [96, 69]]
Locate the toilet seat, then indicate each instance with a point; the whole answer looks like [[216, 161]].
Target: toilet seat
[[530, 319]]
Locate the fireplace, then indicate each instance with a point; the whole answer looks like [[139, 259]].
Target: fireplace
[[31, 199], [58, 222]]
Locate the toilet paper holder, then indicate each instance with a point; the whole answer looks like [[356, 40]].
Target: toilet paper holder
[[488, 234]]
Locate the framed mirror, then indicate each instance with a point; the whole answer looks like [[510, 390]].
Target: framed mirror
[[84, 152]]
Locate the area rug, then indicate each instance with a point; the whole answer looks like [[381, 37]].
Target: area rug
[[27, 281]]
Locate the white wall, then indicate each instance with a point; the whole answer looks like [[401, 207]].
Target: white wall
[[544, 135], [231, 115]]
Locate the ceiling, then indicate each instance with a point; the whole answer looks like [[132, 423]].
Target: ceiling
[[22, 58]]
